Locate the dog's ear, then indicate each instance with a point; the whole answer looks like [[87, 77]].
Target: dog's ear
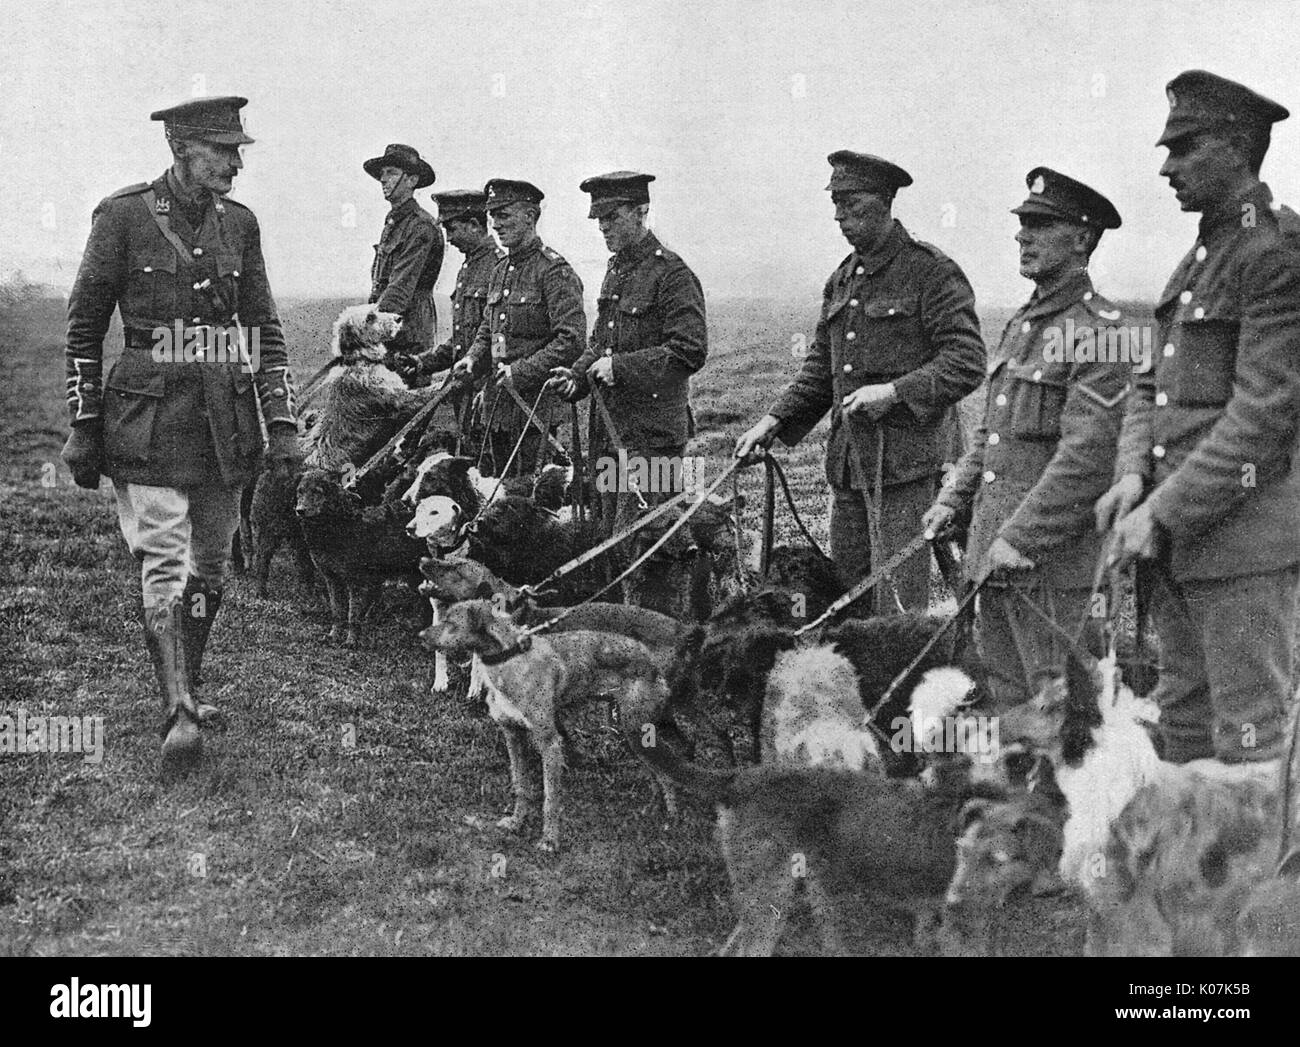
[[497, 626]]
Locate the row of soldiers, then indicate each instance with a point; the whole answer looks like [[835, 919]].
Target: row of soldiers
[[1188, 460]]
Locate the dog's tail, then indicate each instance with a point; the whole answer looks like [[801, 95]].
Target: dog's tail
[[716, 786]]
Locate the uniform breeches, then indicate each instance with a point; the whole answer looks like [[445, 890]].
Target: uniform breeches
[[900, 520], [176, 533], [1016, 644], [1225, 664]]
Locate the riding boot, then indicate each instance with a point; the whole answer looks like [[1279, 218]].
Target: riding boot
[[162, 632], [200, 604]]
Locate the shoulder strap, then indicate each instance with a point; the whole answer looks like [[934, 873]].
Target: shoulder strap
[[164, 225]]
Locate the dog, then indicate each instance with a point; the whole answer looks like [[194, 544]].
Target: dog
[[536, 678], [846, 837], [363, 403], [1006, 851]]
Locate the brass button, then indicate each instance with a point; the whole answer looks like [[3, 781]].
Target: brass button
[[994, 439], [990, 476], [853, 302], [848, 368], [1024, 328], [198, 252], [851, 335], [1001, 400], [1162, 399], [1199, 312], [1185, 297], [1201, 252], [1158, 451], [1169, 349]]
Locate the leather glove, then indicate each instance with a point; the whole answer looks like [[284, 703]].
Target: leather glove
[[84, 454], [283, 452]]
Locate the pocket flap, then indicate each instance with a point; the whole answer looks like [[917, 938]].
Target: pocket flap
[[228, 265], [884, 308], [634, 306], [1039, 374], [154, 385], [161, 260]]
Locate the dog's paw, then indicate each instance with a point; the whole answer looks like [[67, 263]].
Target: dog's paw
[[511, 823]]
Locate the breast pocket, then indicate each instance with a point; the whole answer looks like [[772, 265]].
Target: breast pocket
[[1205, 360], [890, 333], [152, 289], [1037, 397], [638, 326], [131, 401], [526, 314]]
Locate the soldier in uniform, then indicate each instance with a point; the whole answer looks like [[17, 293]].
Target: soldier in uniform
[[650, 337], [1209, 479], [408, 256], [463, 218], [534, 322], [1046, 447], [179, 432], [897, 346]]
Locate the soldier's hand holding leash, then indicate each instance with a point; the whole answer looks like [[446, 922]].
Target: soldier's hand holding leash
[[462, 370], [84, 454], [564, 382], [1118, 502], [283, 452], [938, 521], [1133, 525], [503, 374], [602, 371], [752, 444], [1003, 556], [874, 400]]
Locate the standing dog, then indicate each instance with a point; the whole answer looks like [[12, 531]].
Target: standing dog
[[533, 679]]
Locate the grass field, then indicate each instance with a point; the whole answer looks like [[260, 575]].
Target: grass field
[[346, 811]]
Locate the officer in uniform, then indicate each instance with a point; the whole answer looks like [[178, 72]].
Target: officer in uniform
[[650, 337], [463, 218], [408, 256], [1209, 476], [1045, 450], [534, 322], [897, 346], [177, 425]]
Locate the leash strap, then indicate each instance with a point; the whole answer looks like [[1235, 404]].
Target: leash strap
[[501, 477], [416, 419], [533, 420], [871, 484], [874, 578], [663, 539], [608, 543], [579, 465], [897, 681], [742, 580], [774, 467]]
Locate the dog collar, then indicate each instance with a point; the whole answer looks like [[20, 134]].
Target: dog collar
[[506, 653]]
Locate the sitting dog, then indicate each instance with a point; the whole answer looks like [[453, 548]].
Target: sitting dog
[[362, 403], [847, 837], [534, 679]]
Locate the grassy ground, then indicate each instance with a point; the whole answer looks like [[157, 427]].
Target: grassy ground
[[346, 811]]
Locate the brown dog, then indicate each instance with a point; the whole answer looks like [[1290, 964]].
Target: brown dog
[[532, 680]]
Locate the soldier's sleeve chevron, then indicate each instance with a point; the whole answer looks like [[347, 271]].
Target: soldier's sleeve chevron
[[276, 395], [85, 388]]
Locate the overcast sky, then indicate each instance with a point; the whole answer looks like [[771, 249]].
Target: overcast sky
[[733, 105]]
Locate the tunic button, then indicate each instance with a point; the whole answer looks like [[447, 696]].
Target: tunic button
[[197, 320], [654, 396], [1087, 296], [990, 476], [1201, 252], [506, 292], [148, 269], [1169, 349], [1024, 328], [1162, 399], [994, 439], [859, 270], [610, 324], [1001, 400], [850, 336], [197, 285], [87, 386], [1038, 375], [848, 368], [1198, 312], [853, 302], [511, 269], [891, 312], [1185, 297], [1158, 451], [235, 273], [198, 252], [616, 298], [503, 316]]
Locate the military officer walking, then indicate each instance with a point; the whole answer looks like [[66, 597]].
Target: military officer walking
[[1209, 488], [408, 256], [1045, 450], [534, 322], [650, 337], [897, 346], [176, 425]]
